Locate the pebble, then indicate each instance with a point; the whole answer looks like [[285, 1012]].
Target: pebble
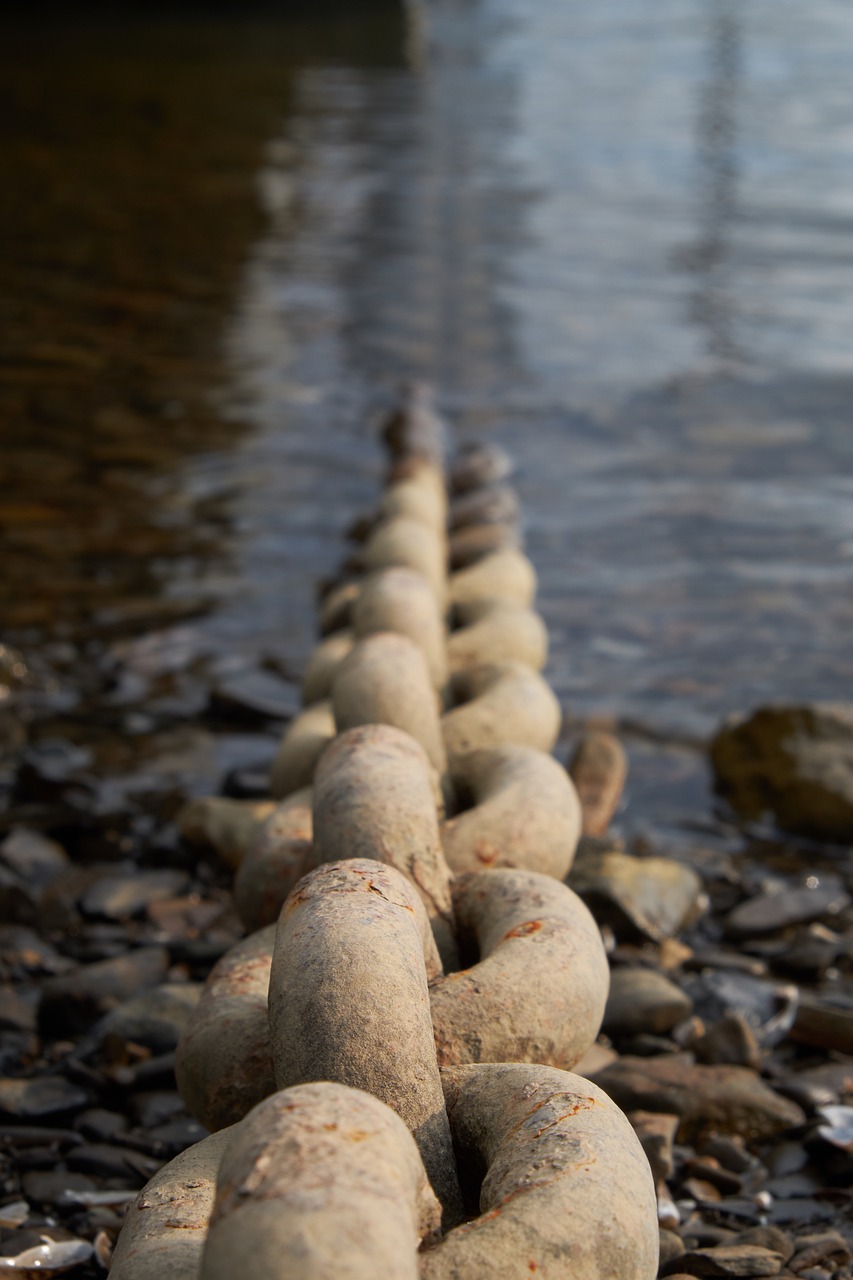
[[637, 897], [104, 1160], [72, 1002], [155, 1018], [773, 911], [826, 1025], [121, 897], [255, 696], [730, 1039], [32, 856], [730, 1260], [727, 1100], [50, 1187], [656, 1131], [643, 1000], [40, 1098]]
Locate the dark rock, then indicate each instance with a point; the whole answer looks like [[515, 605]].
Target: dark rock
[[50, 1186], [152, 1109], [643, 1000], [98, 1125], [772, 911], [795, 762], [730, 1152], [54, 769], [729, 1040], [826, 1025], [810, 954], [23, 951], [106, 1161], [155, 1018], [32, 856], [711, 1171], [728, 1260], [769, 1238], [726, 1100], [767, 1007], [15, 1014], [255, 696], [656, 1132], [40, 1098], [175, 1136], [671, 1246], [72, 1002], [821, 1249], [120, 897], [801, 1211]]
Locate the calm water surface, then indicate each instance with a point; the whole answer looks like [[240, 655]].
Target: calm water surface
[[616, 237]]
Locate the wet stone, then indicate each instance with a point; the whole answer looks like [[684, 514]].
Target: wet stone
[[15, 1013], [156, 1108], [33, 856], [773, 911], [767, 1007], [107, 1161], [637, 897], [821, 1249], [121, 897], [729, 1040], [155, 1019], [72, 1002], [826, 1025], [730, 1153], [99, 1125], [656, 1132], [175, 1136], [50, 1187], [256, 696], [730, 1260], [643, 1000], [41, 1098], [722, 1100]]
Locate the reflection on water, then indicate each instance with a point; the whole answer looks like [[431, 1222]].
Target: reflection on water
[[615, 236]]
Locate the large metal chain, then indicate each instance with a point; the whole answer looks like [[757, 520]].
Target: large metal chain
[[384, 1058]]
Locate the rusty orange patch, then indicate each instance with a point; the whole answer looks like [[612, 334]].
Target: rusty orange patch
[[522, 930]]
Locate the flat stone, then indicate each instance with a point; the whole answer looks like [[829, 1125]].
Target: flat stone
[[795, 762], [106, 1161], [647, 897], [15, 1013], [767, 1007], [821, 1248], [40, 1098], [155, 1018], [769, 1238], [121, 897], [728, 1040], [828, 1026], [772, 911], [32, 856], [255, 696], [155, 1108], [643, 1000], [99, 1125], [73, 1002], [730, 1260], [722, 1099], [49, 1186]]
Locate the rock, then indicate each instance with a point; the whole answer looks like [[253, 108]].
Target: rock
[[671, 1246], [729, 1040], [598, 769], [643, 1000], [15, 1014], [256, 696], [121, 897], [767, 1007], [723, 1100], [480, 464], [72, 1002], [828, 1026], [98, 1125], [822, 1248], [153, 1109], [650, 897], [32, 856], [656, 1131], [728, 1260], [771, 911], [730, 1153], [106, 1161], [769, 1238], [795, 762], [40, 1098], [50, 1186], [155, 1018]]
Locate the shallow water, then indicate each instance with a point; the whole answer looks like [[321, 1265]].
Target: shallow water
[[615, 238]]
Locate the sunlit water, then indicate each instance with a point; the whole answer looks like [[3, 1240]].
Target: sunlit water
[[616, 238]]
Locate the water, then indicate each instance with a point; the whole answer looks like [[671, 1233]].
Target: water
[[616, 239]]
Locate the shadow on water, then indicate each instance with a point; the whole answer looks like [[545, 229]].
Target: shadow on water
[[129, 155]]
